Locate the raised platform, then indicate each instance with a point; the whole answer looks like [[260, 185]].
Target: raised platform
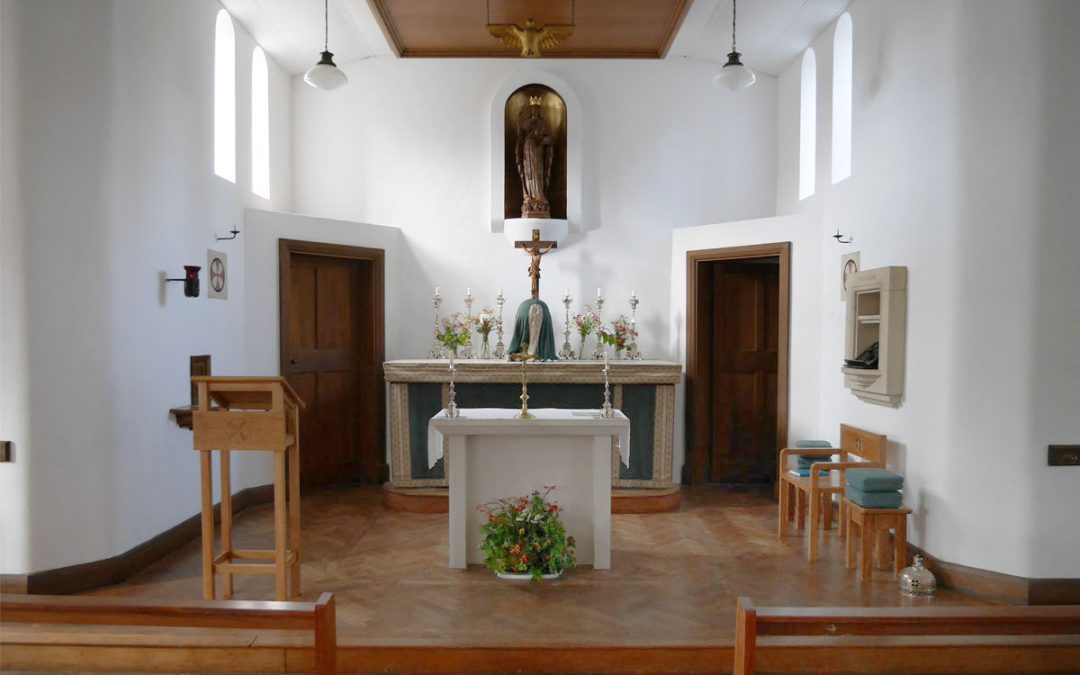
[[666, 606], [435, 499]]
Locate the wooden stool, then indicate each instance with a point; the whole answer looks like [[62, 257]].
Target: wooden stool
[[250, 413], [873, 527]]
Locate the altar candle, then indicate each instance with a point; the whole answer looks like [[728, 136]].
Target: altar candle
[[468, 290], [632, 293], [436, 290], [500, 290], [599, 292]]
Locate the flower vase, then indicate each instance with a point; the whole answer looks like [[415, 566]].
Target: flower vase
[[581, 350], [619, 353], [485, 348], [453, 350]]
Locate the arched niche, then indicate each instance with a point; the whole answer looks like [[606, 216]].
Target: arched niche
[[498, 154]]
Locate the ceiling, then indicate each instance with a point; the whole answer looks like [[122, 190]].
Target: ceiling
[[771, 33]]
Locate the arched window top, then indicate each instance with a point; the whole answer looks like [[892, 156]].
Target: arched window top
[[841, 99], [225, 97], [260, 124], [807, 124]]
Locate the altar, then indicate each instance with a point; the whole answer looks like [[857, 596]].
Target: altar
[[492, 455], [643, 390]]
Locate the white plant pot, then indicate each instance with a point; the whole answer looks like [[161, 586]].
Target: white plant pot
[[513, 576]]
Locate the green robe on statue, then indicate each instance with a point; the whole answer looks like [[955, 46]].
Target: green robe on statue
[[546, 349]]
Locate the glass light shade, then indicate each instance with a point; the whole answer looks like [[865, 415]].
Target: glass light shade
[[734, 75], [325, 74]]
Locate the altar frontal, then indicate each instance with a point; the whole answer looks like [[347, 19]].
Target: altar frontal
[[492, 455]]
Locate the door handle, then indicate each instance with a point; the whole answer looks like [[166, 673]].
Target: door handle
[[292, 362]]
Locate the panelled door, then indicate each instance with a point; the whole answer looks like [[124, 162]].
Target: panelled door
[[328, 328], [744, 371]]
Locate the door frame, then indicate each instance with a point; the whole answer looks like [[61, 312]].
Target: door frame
[[698, 399], [376, 256]]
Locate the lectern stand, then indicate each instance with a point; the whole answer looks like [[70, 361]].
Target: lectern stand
[[259, 414]]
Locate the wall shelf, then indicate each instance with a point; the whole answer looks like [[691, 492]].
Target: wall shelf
[[877, 312]]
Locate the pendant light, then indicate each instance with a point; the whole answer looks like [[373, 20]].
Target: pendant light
[[734, 75], [325, 74]]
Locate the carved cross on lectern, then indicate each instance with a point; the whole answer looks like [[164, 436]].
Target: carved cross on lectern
[[536, 248]]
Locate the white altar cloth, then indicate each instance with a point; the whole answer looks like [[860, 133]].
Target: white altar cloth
[[543, 417], [491, 455]]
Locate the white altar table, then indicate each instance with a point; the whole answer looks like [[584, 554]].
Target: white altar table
[[492, 455]]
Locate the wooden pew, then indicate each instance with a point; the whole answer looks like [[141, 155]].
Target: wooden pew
[[750, 622], [243, 614]]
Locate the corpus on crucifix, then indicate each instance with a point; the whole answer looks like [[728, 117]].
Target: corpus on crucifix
[[535, 248]]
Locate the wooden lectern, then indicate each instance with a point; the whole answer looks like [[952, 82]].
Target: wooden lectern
[[250, 413]]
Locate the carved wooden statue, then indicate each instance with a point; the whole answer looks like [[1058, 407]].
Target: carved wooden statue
[[533, 154]]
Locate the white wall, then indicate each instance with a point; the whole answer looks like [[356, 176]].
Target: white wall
[[805, 322], [407, 144], [14, 379], [964, 171], [116, 179]]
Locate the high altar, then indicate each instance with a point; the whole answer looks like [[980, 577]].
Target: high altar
[[643, 390]]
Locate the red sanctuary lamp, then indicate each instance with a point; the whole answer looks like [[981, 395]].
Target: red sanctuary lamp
[[191, 280]]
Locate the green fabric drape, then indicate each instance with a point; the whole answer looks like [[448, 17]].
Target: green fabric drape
[[546, 348]]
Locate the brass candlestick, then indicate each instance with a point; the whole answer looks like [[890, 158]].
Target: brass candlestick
[[525, 414]]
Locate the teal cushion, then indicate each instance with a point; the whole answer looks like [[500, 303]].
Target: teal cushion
[[874, 500], [874, 480], [804, 461]]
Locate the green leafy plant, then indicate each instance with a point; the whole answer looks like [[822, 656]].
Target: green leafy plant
[[620, 333], [523, 535]]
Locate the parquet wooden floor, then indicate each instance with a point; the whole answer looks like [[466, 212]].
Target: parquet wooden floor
[[674, 576]]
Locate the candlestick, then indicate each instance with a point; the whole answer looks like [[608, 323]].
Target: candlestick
[[436, 348], [451, 397], [500, 348], [599, 352], [607, 411], [567, 352], [469, 353], [632, 349], [524, 414]]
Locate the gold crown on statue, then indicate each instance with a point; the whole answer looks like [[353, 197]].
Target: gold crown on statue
[[536, 100]]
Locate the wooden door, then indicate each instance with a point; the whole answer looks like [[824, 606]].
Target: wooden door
[[329, 356], [744, 371]]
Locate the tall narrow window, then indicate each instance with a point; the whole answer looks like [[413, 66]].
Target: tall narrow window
[[808, 125], [841, 99], [260, 124], [225, 98]]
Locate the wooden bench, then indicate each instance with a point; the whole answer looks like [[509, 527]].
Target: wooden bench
[[750, 622], [243, 614]]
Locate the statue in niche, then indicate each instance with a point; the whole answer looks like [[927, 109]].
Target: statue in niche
[[533, 153]]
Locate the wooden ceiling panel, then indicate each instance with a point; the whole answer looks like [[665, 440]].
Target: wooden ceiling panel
[[603, 28]]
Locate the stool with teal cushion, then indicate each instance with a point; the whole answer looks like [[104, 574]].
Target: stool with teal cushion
[[874, 480], [803, 462]]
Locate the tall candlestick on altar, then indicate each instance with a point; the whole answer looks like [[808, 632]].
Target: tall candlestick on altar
[[567, 352], [500, 348], [599, 352], [632, 349], [469, 353], [436, 347]]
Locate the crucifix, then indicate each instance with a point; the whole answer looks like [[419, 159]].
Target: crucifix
[[536, 248]]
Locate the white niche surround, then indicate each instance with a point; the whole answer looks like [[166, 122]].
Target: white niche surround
[[574, 135]]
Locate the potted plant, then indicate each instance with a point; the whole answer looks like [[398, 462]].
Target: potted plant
[[619, 335], [524, 538], [454, 331]]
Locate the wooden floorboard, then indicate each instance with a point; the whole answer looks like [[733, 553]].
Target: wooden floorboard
[[667, 604]]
